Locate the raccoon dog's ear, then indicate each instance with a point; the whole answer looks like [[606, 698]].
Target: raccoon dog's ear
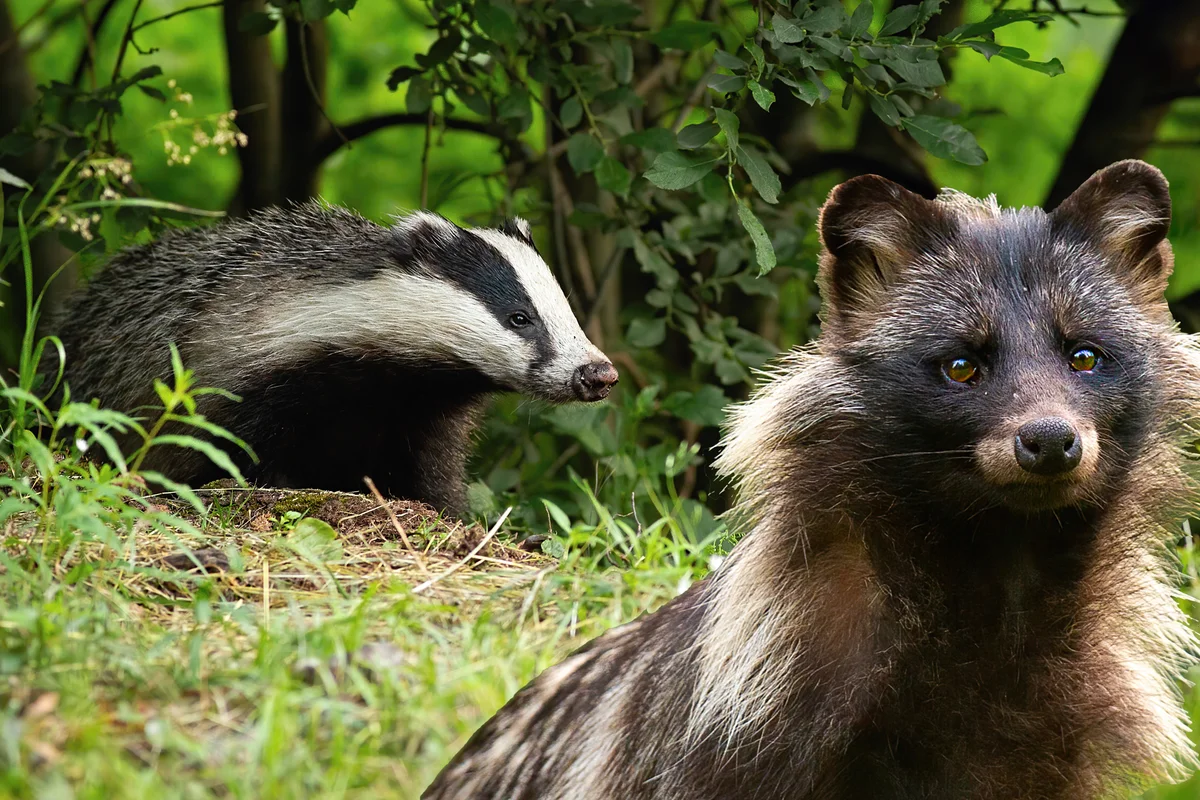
[[872, 229], [1125, 208]]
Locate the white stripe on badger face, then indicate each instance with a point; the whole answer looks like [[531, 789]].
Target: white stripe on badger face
[[570, 345], [414, 318]]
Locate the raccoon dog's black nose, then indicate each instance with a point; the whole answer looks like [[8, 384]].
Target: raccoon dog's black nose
[[1048, 446], [592, 381]]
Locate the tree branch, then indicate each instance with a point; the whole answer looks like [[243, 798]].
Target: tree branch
[[854, 163], [330, 142]]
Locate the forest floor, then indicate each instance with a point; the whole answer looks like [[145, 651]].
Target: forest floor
[[295, 644]]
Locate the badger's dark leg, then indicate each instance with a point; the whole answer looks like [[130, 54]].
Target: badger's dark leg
[[332, 422]]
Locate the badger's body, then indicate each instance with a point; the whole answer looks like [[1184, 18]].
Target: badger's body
[[955, 583], [357, 350]]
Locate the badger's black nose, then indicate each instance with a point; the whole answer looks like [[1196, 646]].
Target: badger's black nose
[[592, 381], [1048, 446]]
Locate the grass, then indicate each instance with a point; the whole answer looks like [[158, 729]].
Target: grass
[[332, 651]]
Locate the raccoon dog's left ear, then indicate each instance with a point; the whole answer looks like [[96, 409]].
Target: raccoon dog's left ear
[[872, 230], [1125, 208]]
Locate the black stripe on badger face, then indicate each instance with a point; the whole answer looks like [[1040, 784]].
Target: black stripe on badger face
[[436, 245]]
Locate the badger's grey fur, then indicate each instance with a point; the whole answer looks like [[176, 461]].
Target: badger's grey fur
[[913, 613], [357, 350]]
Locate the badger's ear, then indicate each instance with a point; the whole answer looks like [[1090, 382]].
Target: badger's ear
[[872, 229], [518, 229], [1125, 208]]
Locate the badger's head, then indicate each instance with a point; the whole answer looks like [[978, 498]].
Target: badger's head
[[1002, 357], [484, 299]]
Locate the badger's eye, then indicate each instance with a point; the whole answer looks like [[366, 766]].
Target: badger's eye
[[519, 320], [1084, 359], [960, 370]]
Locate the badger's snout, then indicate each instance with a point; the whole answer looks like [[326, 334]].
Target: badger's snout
[[1048, 446], [592, 382]]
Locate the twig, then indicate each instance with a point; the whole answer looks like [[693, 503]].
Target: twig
[[425, 157], [459, 565], [176, 13], [312, 87], [693, 98], [331, 143], [610, 269], [16, 34], [396, 523], [125, 39]]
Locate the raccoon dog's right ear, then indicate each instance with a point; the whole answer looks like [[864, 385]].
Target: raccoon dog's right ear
[[872, 229]]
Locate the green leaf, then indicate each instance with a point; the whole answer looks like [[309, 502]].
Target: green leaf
[[571, 113], [825, 19], [762, 95], [674, 171], [786, 30], [257, 23], [151, 91], [496, 22], [419, 96], [998, 19], [764, 253], [945, 139], [685, 35], [883, 108], [986, 47], [728, 61], [697, 135], [765, 181], [400, 75], [756, 53], [926, 72], [315, 10], [659, 140], [515, 105], [729, 125], [622, 61], [705, 406], [654, 264], [13, 180], [730, 371], [899, 19], [860, 20], [613, 176], [1052, 67], [647, 332], [726, 84], [584, 152]]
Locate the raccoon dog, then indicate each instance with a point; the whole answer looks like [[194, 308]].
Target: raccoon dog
[[956, 579], [357, 350]]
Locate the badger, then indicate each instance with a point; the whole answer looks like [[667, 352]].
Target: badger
[[955, 580], [356, 350]]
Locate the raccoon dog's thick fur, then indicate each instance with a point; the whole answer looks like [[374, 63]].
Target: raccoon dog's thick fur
[[357, 350], [956, 581]]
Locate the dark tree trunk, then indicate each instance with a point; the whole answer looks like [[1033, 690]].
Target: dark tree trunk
[[1156, 60], [254, 91], [18, 93], [303, 122]]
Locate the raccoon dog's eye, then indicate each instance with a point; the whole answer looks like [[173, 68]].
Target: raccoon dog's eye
[[960, 370], [1084, 359], [519, 320]]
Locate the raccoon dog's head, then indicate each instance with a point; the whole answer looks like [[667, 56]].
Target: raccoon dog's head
[[1004, 357], [490, 303]]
